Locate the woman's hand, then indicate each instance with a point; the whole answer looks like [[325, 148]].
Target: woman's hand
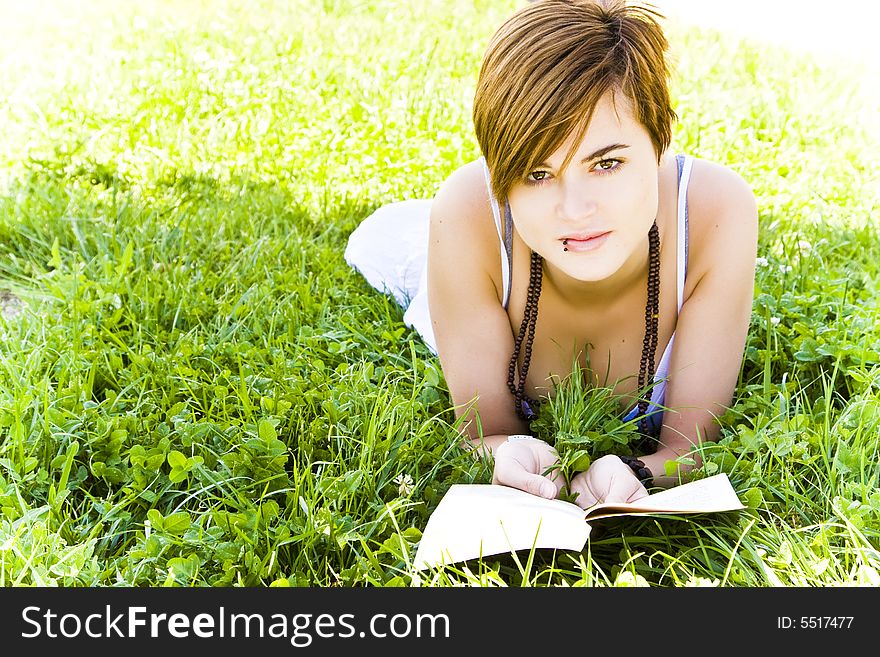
[[521, 463], [607, 480]]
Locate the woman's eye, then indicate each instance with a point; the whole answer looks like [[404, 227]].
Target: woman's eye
[[607, 165], [537, 176]]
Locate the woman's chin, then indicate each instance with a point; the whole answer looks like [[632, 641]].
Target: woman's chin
[[593, 272]]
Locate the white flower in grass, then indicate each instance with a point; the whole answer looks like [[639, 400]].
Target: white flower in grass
[[804, 246], [405, 484], [762, 262], [696, 581], [868, 576], [785, 268], [775, 321], [628, 579]]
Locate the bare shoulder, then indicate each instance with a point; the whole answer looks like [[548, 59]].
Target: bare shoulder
[[462, 227], [716, 189], [722, 216], [462, 202]]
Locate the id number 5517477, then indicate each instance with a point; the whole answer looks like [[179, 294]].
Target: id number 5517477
[[814, 622]]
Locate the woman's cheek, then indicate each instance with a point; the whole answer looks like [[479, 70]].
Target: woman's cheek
[[530, 217], [639, 198]]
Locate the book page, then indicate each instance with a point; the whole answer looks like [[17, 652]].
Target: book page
[[474, 520], [700, 496]]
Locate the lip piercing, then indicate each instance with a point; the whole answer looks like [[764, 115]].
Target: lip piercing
[[564, 243]]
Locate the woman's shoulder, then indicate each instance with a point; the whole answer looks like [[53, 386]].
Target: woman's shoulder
[[717, 188], [722, 214], [463, 238], [464, 194], [462, 211]]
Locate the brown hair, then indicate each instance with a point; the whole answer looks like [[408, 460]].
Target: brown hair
[[547, 67]]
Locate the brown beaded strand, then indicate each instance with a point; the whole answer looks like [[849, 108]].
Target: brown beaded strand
[[525, 405], [652, 314]]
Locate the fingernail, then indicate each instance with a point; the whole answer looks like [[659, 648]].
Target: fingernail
[[548, 490]]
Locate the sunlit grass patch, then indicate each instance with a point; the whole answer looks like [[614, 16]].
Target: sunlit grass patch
[[196, 389]]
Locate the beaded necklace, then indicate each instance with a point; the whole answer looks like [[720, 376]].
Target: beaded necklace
[[525, 406]]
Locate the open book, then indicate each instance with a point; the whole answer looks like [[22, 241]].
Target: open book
[[474, 520]]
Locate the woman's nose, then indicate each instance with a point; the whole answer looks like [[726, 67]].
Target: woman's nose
[[576, 204]]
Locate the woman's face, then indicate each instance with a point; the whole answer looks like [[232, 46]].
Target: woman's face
[[602, 206]]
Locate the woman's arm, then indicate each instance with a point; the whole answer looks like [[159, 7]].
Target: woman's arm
[[713, 324], [473, 335], [471, 328]]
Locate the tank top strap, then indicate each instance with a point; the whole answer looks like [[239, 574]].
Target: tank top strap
[[507, 275], [685, 164], [505, 242]]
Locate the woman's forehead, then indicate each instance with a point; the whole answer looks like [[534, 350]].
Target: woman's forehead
[[612, 122]]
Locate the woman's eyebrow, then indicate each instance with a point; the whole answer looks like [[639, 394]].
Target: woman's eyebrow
[[599, 153]]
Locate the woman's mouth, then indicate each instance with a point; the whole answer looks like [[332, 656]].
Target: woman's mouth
[[582, 243]]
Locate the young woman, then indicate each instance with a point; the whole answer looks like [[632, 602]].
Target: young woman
[[578, 234]]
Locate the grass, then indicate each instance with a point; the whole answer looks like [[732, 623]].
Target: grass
[[197, 391]]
